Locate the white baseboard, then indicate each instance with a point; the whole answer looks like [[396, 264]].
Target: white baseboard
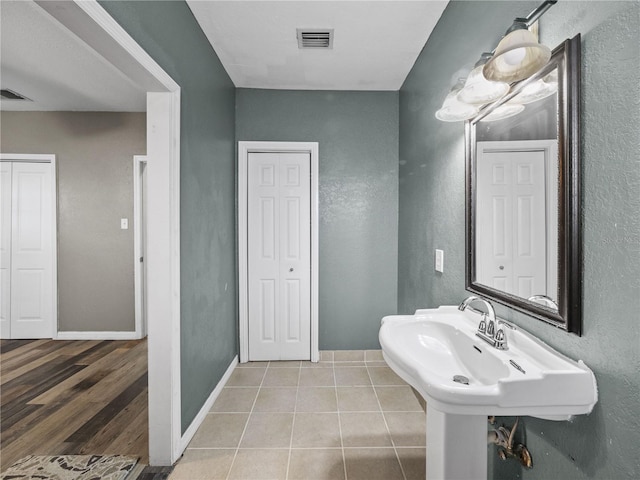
[[195, 424], [97, 336]]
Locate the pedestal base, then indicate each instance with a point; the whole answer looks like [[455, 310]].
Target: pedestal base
[[456, 446]]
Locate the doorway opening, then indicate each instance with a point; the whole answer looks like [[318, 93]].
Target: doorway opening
[[88, 21], [139, 242], [245, 151]]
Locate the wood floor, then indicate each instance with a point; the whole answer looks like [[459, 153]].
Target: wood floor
[[73, 397]]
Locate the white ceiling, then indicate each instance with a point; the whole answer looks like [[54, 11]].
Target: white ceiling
[[42, 60], [375, 42], [375, 45]]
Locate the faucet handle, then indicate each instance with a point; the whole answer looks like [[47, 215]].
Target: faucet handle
[[501, 339], [491, 328], [482, 327]]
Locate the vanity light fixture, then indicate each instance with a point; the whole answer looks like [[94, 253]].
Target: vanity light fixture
[[503, 111], [519, 54], [478, 90], [537, 90], [453, 110]]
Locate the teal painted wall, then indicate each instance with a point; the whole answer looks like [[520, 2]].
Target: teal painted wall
[[603, 445], [358, 182], [168, 31]]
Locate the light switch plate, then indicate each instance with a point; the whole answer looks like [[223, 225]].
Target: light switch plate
[[439, 261], [124, 223]]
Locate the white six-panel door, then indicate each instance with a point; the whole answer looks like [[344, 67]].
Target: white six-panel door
[[511, 234], [279, 256], [28, 283]]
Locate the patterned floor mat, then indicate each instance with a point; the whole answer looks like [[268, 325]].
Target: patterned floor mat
[[71, 467]]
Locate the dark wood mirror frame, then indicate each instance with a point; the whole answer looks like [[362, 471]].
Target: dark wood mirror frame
[[566, 58]]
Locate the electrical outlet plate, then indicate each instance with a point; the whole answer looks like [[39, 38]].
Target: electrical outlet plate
[[439, 262]]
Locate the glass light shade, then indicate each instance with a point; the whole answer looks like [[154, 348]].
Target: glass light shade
[[454, 110], [503, 111], [517, 56], [537, 90], [534, 92], [480, 91]]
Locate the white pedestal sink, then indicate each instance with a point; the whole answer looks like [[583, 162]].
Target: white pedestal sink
[[431, 347]]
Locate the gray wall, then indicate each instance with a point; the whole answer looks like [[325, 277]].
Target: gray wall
[[168, 31], [94, 154], [603, 445], [358, 143]]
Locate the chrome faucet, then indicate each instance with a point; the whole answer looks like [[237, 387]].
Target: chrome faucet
[[487, 328]]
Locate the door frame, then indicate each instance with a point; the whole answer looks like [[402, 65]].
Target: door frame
[[139, 162], [90, 22], [244, 149], [46, 158]]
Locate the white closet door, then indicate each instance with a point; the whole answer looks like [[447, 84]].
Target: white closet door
[[511, 233], [279, 256], [5, 250], [529, 221], [31, 251]]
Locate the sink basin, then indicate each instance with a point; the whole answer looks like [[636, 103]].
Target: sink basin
[[464, 379], [429, 348]]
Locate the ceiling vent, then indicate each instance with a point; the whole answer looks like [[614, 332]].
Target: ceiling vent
[[315, 37], [6, 94]]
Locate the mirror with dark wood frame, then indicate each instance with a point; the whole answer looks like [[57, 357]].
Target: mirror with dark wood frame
[[524, 241]]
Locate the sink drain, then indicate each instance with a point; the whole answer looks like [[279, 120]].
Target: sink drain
[[461, 379]]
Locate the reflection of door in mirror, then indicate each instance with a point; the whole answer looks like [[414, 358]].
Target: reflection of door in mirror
[[516, 218]]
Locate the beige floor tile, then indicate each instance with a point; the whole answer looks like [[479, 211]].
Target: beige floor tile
[[408, 429], [260, 465], [348, 356], [316, 430], [316, 399], [285, 364], [209, 464], [373, 355], [253, 365], [246, 377], [235, 399], [384, 376], [413, 462], [357, 399], [364, 430], [326, 355], [398, 399], [351, 376], [372, 464], [320, 364], [377, 364], [421, 400], [268, 430], [276, 399], [281, 377], [317, 377], [220, 430], [312, 464]]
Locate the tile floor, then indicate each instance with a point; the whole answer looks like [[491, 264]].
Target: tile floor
[[348, 417]]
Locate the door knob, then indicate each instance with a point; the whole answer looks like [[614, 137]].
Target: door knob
[[291, 269]]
